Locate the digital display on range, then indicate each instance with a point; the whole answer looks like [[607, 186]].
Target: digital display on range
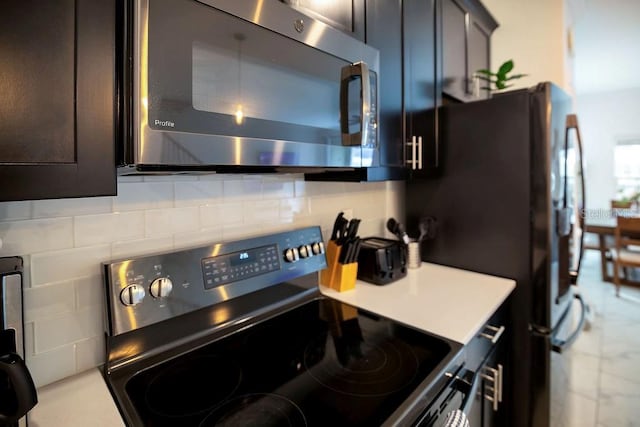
[[240, 265], [242, 257]]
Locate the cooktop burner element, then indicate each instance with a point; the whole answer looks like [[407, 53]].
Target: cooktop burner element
[[259, 346], [257, 409], [366, 369], [175, 392], [311, 365]]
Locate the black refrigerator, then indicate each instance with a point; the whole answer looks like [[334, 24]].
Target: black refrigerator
[[508, 201]]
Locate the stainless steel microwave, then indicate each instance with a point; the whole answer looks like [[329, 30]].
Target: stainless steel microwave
[[227, 85]]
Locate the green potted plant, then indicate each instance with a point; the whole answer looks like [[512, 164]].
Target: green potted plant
[[498, 80]]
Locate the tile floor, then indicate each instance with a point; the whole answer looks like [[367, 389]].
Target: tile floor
[[604, 362]]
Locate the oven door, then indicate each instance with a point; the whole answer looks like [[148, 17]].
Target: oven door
[[244, 84]]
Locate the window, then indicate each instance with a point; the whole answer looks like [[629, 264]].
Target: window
[[627, 168]]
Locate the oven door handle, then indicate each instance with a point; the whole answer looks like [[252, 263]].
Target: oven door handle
[[473, 390], [468, 384]]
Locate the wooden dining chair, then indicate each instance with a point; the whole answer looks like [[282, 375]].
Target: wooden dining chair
[[618, 207], [626, 252]]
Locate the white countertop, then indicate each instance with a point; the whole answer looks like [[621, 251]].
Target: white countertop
[[446, 301], [78, 401]]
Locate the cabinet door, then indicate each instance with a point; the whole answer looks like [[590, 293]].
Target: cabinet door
[[421, 86], [466, 45], [384, 32], [57, 110], [454, 47], [479, 48], [345, 15]]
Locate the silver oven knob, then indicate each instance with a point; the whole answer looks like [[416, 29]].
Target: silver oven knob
[[317, 248], [291, 255], [161, 287], [305, 251], [132, 295]]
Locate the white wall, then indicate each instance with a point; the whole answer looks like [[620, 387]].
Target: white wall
[[64, 241], [607, 53], [604, 118], [532, 33]]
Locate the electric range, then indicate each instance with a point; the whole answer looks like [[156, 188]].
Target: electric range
[[237, 334]]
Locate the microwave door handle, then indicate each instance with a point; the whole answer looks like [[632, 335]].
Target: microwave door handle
[[360, 71]]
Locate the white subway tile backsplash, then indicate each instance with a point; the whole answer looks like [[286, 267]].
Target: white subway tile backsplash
[[96, 229], [230, 214], [89, 353], [68, 264], [89, 292], [197, 238], [330, 205], [130, 178], [52, 365], [37, 235], [299, 186], [261, 211], [64, 242], [313, 188], [278, 188], [143, 195], [394, 197], [57, 331], [49, 300], [242, 189], [169, 178], [212, 177], [210, 215], [12, 211], [26, 271], [236, 232], [292, 209], [132, 248], [171, 221], [71, 207], [197, 193]]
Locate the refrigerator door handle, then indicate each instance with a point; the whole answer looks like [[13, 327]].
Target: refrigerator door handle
[[572, 123], [559, 345]]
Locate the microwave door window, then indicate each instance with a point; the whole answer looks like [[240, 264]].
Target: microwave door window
[[242, 86]]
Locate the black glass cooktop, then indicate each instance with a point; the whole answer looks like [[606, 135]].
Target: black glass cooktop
[[324, 363]]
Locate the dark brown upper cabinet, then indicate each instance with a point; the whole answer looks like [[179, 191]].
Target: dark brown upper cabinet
[[422, 85], [384, 32], [57, 99], [466, 44]]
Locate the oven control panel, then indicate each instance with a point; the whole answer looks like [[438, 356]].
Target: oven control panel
[[223, 269], [152, 288]]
